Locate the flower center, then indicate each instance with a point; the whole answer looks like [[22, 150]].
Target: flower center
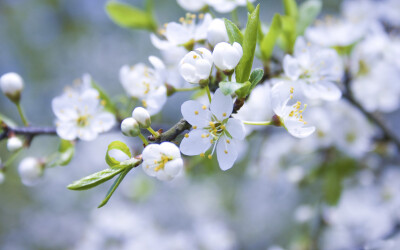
[[83, 120], [297, 112], [161, 164]]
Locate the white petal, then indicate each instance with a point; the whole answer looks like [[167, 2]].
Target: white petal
[[196, 114], [172, 168], [291, 67], [156, 99], [148, 167], [203, 68], [67, 130], [195, 144], [151, 152], [280, 96], [103, 122], [188, 72], [87, 134], [176, 33], [157, 63], [221, 105], [329, 91], [163, 176], [63, 108], [170, 150], [236, 128], [301, 132], [226, 153]]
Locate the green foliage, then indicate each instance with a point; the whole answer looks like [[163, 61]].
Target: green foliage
[[128, 16], [95, 179], [308, 11], [244, 90], [240, 89], [118, 145], [66, 152], [243, 69], [256, 77], [114, 187], [291, 9], [269, 40], [288, 34], [234, 34]]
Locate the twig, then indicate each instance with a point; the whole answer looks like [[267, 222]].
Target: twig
[[172, 133]]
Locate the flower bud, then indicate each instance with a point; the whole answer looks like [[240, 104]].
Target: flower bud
[[30, 170], [195, 66], [130, 127], [14, 143], [12, 84], [216, 32], [142, 116], [226, 57]]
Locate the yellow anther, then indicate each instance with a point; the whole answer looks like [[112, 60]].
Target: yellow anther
[[212, 124], [211, 141], [291, 90], [226, 151], [187, 135], [155, 161], [208, 135], [228, 141], [196, 112], [182, 20], [201, 16], [202, 155], [103, 102], [144, 103], [224, 114], [166, 24], [194, 127], [209, 157], [291, 96], [203, 136], [223, 127], [195, 56], [204, 107]]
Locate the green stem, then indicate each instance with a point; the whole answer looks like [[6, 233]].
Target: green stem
[[264, 123], [235, 18], [12, 158], [154, 133], [186, 89], [230, 77], [208, 93], [145, 142], [21, 114]]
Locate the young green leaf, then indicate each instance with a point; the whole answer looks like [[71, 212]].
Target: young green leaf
[[95, 179], [128, 16], [249, 46], [66, 152], [234, 34], [229, 88], [114, 187], [269, 40], [256, 77], [118, 145], [291, 8], [288, 34], [244, 90], [308, 11]]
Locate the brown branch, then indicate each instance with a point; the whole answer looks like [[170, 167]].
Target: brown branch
[[172, 133], [26, 131]]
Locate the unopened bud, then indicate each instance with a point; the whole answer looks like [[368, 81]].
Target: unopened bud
[[216, 32], [11, 85], [14, 143], [30, 170], [226, 56], [142, 116], [130, 127]]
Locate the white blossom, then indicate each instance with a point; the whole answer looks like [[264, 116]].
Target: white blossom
[[196, 66], [162, 160], [30, 170], [315, 69], [192, 5], [146, 84], [212, 126], [130, 127], [14, 143], [227, 56], [80, 113], [142, 116], [291, 116], [225, 6], [216, 32], [11, 85]]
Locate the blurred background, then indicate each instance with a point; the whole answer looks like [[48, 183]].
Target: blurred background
[[52, 42]]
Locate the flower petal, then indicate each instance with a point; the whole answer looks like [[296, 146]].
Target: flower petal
[[67, 130], [226, 153], [170, 150], [236, 128], [291, 67], [196, 114], [195, 144], [221, 105]]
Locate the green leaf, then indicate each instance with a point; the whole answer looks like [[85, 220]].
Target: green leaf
[[229, 88], [66, 152], [234, 34], [269, 40], [114, 187], [128, 16], [105, 99], [256, 77], [244, 90], [95, 179], [308, 11], [249, 46], [291, 8], [332, 188], [118, 145], [288, 34]]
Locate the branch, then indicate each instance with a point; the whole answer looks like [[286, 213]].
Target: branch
[[27, 131], [172, 133], [387, 132]]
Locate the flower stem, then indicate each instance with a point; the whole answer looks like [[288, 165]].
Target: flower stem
[[12, 158], [154, 133], [208, 93], [187, 89], [21, 114], [145, 142], [264, 123]]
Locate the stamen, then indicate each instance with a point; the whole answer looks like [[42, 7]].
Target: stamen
[[187, 135]]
